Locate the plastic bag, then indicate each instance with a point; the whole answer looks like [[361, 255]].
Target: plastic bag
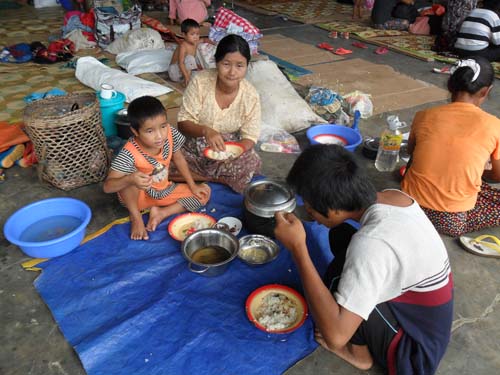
[[205, 54], [135, 40], [111, 25], [420, 26], [277, 140], [359, 101]]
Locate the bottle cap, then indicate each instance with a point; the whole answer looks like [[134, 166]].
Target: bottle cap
[[394, 123]]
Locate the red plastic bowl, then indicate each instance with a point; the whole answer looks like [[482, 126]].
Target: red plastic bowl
[[176, 225], [254, 300]]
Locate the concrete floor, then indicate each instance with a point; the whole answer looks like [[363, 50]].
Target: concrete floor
[[31, 342]]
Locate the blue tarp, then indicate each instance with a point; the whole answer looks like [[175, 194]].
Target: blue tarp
[[133, 307]]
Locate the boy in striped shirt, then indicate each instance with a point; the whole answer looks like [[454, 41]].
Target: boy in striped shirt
[[139, 173]]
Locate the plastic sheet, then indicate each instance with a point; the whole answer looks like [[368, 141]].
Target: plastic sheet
[[131, 307]]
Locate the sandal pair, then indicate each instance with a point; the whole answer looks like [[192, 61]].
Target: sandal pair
[[328, 47]]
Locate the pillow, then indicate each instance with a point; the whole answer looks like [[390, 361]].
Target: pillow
[[145, 61], [91, 72], [282, 107]]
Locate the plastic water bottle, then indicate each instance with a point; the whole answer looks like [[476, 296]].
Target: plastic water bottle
[[390, 143]]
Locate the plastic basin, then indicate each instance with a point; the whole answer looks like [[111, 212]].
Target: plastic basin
[[349, 137], [48, 228]]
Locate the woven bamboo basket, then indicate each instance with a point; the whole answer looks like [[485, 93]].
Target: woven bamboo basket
[[69, 140]]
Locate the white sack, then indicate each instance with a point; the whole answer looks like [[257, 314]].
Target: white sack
[[145, 61], [282, 107], [137, 39], [93, 73]]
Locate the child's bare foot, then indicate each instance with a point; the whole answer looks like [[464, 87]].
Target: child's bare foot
[[138, 230], [357, 355], [158, 214], [155, 218]]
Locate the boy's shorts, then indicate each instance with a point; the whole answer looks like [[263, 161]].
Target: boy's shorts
[[377, 333], [181, 194], [174, 71]]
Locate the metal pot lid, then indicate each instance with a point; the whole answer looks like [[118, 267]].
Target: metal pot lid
[[265, 197], [122, 117]]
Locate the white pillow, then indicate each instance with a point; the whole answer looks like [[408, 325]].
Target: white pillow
[[282, 107], [93, 73], [145, 61]]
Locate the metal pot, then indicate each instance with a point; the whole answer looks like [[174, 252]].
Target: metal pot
[[123, 124], [205, 238], [263, 199]]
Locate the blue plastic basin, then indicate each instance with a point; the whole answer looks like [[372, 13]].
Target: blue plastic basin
[[351, 136], [48, 228]]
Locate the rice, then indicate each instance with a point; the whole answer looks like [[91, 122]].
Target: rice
[[277, 312], [223, 155], [254, 254]]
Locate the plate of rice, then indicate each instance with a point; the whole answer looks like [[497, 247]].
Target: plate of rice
[[276, 308], [185, 224], [233, 150]]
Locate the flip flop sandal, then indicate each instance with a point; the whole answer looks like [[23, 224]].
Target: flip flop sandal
[[381, 50], [325, 46], [443, 70], [480, 246], [360, 45], [342, 51]]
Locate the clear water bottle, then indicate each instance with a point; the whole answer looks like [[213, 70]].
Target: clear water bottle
[[390, 143]]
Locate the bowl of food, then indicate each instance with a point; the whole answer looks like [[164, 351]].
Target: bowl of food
[[48, 228], [209, 251], [256, 249], [276, 308], [233, 150], [185, 224], [232, 224], [347, 137]]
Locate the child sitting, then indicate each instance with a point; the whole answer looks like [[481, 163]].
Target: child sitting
[[406, 10], [479, 34], [184, 60], [393, 14], [139, 173], [450, 146], [184, 9], [387, 295]]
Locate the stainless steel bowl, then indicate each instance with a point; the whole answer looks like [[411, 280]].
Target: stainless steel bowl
[[206, 238], [256, 249]]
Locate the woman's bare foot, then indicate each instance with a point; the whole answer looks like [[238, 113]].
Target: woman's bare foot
[[357, 355], [138, 230]]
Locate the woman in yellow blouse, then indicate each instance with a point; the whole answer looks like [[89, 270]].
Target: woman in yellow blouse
[[221, 105]]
